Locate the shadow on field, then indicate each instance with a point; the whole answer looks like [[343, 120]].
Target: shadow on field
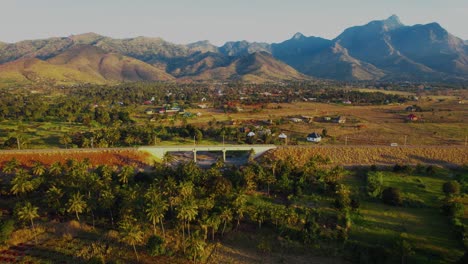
[[430, 161], [126, 160]]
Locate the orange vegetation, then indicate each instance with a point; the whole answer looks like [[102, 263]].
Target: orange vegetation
[[108, 157]]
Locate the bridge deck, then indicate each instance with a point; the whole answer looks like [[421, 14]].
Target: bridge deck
[[160, 151]]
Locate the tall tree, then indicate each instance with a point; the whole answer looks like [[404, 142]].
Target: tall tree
[[21, 183], [225, 216], [76, 204], [187, 212], [156, 208], [11, 166], [130, 233], [38, 168], [125, 174], [28, 213]]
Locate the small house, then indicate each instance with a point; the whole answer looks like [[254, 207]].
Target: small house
[[410, 109], [412, 117], [251, 134], [314, 137], [295, 120], [283, 136], [340, 120]]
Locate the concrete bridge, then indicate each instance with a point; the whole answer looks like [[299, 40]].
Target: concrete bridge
[[160, 151]]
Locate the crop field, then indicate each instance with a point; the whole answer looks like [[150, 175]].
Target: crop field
[[377, 155], [443, 122], [96, 157]]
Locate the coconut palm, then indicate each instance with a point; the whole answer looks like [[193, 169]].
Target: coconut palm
[[130, 233], [55, 169], [76, 204], [28, 213], [106, 201], [53, 197], [168, 158], [213, 221], [187, 212], [225, 216], [11, 166], [155, 211], [239, 205], [21, 183], [125, 174], [38, 169]]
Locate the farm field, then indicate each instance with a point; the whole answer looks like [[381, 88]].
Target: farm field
[[113, 157], [441, 122], [372, 125]]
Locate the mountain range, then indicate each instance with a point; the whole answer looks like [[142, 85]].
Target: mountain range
[[384, 50]]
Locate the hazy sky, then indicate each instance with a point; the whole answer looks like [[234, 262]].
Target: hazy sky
[[185, 21]]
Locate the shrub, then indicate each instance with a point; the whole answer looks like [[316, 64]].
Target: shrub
[[155, 246], [453, 209], [430, 170], [355, 203], [402, 168], [374, 184], [392, 196], [6, 228], [451, 188]]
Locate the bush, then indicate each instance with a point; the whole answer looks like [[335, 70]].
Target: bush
[[374, 184], [6, 228], [451, 188], [402, 168], [392, 196], [453, 209], [155, 246], [355, 203]]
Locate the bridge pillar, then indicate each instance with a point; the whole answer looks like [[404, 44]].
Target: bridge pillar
[[195, 155], [224, 155]]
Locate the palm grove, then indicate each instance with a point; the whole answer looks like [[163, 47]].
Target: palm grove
[[185, 210]]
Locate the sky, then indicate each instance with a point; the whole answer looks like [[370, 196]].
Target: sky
[[186, 21]]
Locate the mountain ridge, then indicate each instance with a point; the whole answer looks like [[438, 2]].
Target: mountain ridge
[[379, 50]]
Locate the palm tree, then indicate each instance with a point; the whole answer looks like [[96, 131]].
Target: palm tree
[[155, 211], [11, 166], [168, 159], [213, 221], [125, 174], [76, 204], [225, 216], [38, 169], [21, 183], [106, 201], [187, 212], [55, 169], [65, 140], [28, 213], [239, 205], [131, 233], [197, 247], [53, 196]]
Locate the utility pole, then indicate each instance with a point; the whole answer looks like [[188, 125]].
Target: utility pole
[[194, 151], [346, 140], [406, 137]]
